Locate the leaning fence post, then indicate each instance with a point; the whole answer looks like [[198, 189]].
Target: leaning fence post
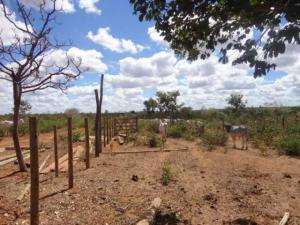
[[104, 132], [87, 143], [97, 146], [100, 112], [55, 150], [107, 130], [70, 153], [34, 172]]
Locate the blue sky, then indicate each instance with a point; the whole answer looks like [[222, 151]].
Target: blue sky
[[137, 63]]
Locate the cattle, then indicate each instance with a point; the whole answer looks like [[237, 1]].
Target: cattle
[[238, 132], [8, 124], [162, 129]]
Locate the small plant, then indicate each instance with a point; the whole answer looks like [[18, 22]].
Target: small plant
[[154, 140], [166, 174], [215, 138], [76, 136], [290, 145]]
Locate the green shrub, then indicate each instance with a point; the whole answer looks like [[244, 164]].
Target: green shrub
[[215, 138], [149, 126], [2, 132], [166, 174], [177, 130], [290, 145], [76, 136], [154, 140], [295, 129]]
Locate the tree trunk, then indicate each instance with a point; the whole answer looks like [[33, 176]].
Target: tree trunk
[[15, 135]]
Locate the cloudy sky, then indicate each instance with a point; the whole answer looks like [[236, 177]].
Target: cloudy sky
[[137, 63]]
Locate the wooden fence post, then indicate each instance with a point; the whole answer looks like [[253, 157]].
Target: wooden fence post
[[87, 143], [283, 122], [110, 126], [104, 132], [136, 124], [55, 151], [97, 143], [107, 130], [34, 172], [70, 153], [115, 131], [100, 112]]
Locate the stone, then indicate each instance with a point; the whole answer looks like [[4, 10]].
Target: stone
[[143, 222], [156, 203]]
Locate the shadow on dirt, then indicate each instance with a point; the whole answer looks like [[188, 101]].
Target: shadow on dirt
[[165, 218], [241, 221]]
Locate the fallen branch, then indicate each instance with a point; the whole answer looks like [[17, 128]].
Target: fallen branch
[[27, 187], [284, 219], [149, 151]]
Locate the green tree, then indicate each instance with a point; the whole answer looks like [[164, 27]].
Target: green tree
[[236, 102], [186, 112], [150, 106], [25, 107], [167, 103], [196, 29]]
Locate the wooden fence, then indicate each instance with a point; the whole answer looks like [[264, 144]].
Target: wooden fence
[[110, 127]]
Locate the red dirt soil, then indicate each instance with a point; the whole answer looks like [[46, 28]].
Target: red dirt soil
[[214, 187]]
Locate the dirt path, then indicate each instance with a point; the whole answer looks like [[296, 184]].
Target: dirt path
[[205, 188]]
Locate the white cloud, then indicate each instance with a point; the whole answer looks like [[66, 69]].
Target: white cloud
[[8, 32], [105, 39], [64, 5], [89, 6], [156, 37], [91, 59], [201, 84]]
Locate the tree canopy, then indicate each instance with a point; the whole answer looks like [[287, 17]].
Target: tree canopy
[[236, 102], [150, 106], [259, 30]]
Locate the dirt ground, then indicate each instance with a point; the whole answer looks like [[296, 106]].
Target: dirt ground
[[223, 186]]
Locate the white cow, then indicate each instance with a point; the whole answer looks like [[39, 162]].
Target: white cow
[[8, 124], [162, 128]]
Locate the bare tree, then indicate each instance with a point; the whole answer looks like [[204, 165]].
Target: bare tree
[[26, 60]]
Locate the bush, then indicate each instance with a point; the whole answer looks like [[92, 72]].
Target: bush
[[215, 138], [149, 126], [290, 145], [177, 130], [154, 140]]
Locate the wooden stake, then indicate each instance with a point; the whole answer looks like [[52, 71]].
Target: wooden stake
[[100, 112], [55, 151], [34, 172], [87, 143], [70, 153], [107, 130], [97, 143], [136, 124], [104, 132]]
